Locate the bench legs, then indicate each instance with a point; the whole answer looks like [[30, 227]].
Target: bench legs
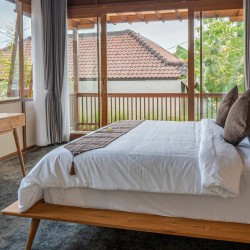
[[32, 232]]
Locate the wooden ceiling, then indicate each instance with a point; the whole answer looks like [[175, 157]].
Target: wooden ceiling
[[130, 11], [152, 16]]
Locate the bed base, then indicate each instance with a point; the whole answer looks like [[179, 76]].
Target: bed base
[[226, 231]]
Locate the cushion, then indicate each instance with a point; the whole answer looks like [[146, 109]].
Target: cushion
[[225, 106], [237, 126]]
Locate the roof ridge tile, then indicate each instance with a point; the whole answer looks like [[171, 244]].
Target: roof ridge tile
[[146, 43]]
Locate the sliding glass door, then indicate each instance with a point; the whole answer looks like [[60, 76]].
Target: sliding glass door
[[219, 58], [147, 62], [83, 72], [159, 65]]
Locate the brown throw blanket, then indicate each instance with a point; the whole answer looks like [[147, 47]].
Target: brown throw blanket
[[99, 139]]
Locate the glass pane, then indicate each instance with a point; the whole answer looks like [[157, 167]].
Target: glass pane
[[222, 49], [9, 58], [147, 65], [27, 58], [83, 61]]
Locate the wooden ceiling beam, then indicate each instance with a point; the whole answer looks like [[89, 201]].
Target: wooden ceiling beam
[[236, 18], [123, 18], [201, 5], [178, 15], [80, 24], [159, 15], [141, 16]]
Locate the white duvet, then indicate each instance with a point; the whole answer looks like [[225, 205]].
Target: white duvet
[[156, 156]]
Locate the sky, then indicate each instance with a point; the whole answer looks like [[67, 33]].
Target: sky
[[8, 17], [168, 34]]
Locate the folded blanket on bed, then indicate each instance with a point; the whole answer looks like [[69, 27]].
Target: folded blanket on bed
[[220, 163], [99, 139], [155, 156]]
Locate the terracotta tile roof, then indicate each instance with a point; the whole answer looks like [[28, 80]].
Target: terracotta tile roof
[[130, 56]]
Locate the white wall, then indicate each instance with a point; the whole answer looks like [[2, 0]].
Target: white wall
[[7, 142], [144, 86]]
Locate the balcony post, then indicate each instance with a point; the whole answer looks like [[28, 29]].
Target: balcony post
[[76, 76], [103, 87], [191, 65]]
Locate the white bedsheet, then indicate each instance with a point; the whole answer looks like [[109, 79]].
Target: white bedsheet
[[204, 207], [156, 156]]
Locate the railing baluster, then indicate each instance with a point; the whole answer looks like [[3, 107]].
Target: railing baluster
[[162, 108], [83, 113], [179, 104], [123, 108], [115, 108], [184, 108], [207, 107], [212, 107], [132, 106], [153, 100], [170, 108], [144, 109], [140, 108], [119, 108], [148, 108], [127, 117], [157, 108], [175, 108], [166, 106], [153, 106], [216, 104], [136, 111]]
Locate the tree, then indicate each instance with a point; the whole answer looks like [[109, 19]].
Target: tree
[[9, 72], [222, 53]]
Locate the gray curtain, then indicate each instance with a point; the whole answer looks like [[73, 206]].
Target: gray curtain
[[247, 42], [54, 18]]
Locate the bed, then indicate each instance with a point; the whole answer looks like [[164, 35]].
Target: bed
[[167, 177]]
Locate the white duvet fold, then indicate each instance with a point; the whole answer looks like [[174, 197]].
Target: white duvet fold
[[220, 163], [156, 156]]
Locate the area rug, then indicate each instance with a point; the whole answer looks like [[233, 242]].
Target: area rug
[[67, 236]]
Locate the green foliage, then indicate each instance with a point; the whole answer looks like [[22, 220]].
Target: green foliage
[[181, 53], [222, 53]]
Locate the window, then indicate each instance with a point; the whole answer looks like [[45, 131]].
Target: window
[[146, 70], [15, 52], [219, 58]]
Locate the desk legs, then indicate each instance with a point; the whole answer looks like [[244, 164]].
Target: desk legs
[[19, 151]]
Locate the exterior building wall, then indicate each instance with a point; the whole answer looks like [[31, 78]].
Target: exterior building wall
[[143, 86]]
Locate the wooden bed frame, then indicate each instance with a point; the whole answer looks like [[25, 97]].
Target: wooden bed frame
[[235, 232]]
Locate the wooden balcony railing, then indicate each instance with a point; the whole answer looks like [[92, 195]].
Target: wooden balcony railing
[[136, 106]]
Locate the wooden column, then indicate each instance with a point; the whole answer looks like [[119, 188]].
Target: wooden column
[[190, 65], [103, 87], [201, 70], [20, 43], [76, 76], [13, 59], [98, 22]]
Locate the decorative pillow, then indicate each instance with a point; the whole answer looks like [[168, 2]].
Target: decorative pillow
[[237, 126], [225, 106]]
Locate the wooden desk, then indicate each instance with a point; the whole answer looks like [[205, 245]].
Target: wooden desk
[[9, 123]]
